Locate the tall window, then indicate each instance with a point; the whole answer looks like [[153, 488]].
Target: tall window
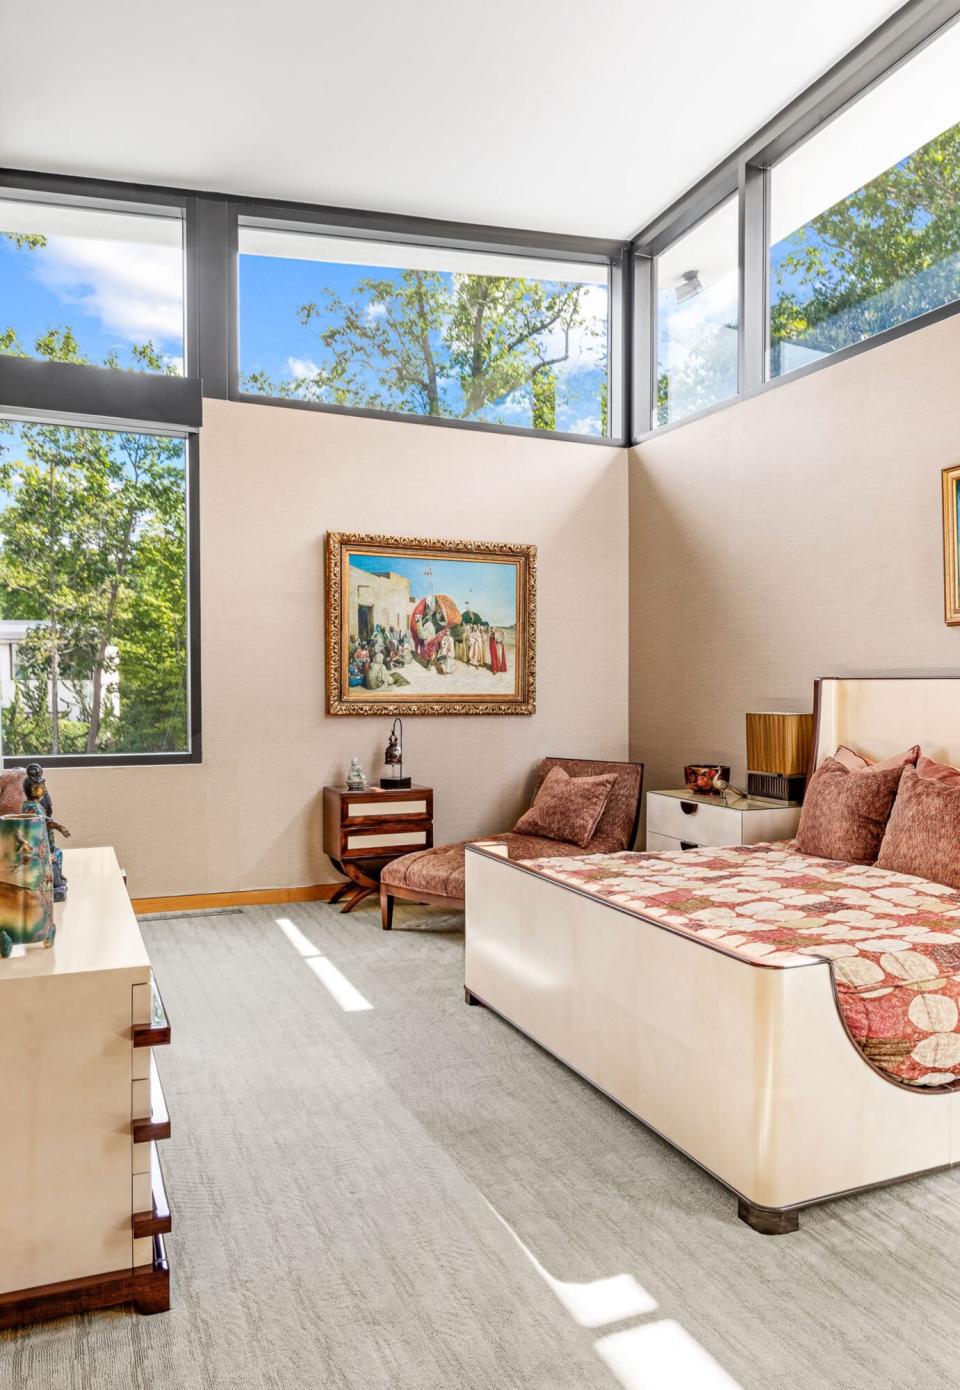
[[91, 285], [698, 290], [865, 216], [455, 334], [93, 592]]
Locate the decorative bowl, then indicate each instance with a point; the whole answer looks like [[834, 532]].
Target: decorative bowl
[[699, 777]]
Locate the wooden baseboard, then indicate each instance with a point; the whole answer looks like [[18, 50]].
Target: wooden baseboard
[[252, 897]]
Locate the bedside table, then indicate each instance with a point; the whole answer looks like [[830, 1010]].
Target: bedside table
[[362, 831], [683, 820]]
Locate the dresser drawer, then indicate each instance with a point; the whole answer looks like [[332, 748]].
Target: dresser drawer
[[694, 822]]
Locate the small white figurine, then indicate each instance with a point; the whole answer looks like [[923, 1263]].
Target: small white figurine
[[356, 779]]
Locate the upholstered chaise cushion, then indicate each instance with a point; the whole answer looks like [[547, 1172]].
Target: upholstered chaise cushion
[[567, 808], [440, 872]]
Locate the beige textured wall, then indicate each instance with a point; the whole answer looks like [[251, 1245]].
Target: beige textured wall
[[794, 535], [272, 482]]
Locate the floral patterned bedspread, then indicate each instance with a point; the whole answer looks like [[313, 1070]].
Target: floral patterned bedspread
[[893, 940]]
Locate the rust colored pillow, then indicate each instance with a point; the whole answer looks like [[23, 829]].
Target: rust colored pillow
[[11, 791], [923, 834], [855, 762], [567, 808], [938, 772], [845, 813]]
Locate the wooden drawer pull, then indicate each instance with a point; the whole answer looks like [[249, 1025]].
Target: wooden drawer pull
[[158, 1124], [689, 808], [156, 1033], [157, 1221]]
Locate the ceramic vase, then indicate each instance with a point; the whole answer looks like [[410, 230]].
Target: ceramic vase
[[26, 883]]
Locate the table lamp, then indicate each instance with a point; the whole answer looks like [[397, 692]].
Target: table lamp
[[393, 760], [778, 754]]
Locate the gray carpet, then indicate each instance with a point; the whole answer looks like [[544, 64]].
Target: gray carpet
[[413, 1196]]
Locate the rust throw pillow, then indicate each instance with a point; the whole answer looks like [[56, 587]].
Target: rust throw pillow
[[845, 813], [856, 762], [11, 791], [567, 808], [923, 833], [938, 772]]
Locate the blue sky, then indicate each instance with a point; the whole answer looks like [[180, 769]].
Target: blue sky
[[112, 294], [489, 588]]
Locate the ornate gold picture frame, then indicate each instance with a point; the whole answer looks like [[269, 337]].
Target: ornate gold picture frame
[[423, 626], [951, 546]]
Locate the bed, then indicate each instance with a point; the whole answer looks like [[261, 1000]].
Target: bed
[[789, 1023]]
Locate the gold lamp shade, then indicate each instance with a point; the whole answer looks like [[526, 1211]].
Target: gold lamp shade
[[779, 743]]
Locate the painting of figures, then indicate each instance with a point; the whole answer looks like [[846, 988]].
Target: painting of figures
[[951, 545], [429, 627]]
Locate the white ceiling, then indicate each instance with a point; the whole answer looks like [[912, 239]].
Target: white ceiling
[[559, 115]]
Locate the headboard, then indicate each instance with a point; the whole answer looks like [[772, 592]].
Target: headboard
[[882, 715]]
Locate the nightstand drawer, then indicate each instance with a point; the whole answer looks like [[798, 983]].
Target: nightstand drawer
[[666, 844], [694, 822], [384, 809], [384, 839]]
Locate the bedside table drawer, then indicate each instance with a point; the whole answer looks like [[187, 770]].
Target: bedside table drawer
[[385, 839], [666, 844], [384, 809], [700, 825]]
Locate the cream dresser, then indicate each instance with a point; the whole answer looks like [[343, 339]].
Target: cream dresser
[[82, 1206], [679, 820]]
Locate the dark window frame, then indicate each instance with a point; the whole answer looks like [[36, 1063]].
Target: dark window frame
[[371, 227], [194, 753], [747, 170]]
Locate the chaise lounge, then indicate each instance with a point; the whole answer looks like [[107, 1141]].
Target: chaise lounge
[[436, 876]]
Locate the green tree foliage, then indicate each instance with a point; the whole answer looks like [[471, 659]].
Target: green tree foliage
[[432, 344], [544, 387], [885, 254], [92, 550]]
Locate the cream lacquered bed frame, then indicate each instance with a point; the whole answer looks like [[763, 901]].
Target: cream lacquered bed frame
[[746, 1068]]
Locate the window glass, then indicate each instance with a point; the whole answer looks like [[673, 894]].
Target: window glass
[[865, 215], [80, 284], [456, 334], [698, 292], [93, 591]]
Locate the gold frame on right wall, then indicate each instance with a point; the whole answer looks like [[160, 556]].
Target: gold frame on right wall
[[951, 546]]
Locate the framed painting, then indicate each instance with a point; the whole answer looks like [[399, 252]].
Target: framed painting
[[951, 546], [430, 627]]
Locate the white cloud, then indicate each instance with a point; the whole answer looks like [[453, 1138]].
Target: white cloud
[[302, 366], [684, 326], [134, 289], [376, 310], [586, 346], [587, 424]]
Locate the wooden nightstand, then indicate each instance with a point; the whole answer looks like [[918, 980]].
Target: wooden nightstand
[[362, 831], [681, 820]]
